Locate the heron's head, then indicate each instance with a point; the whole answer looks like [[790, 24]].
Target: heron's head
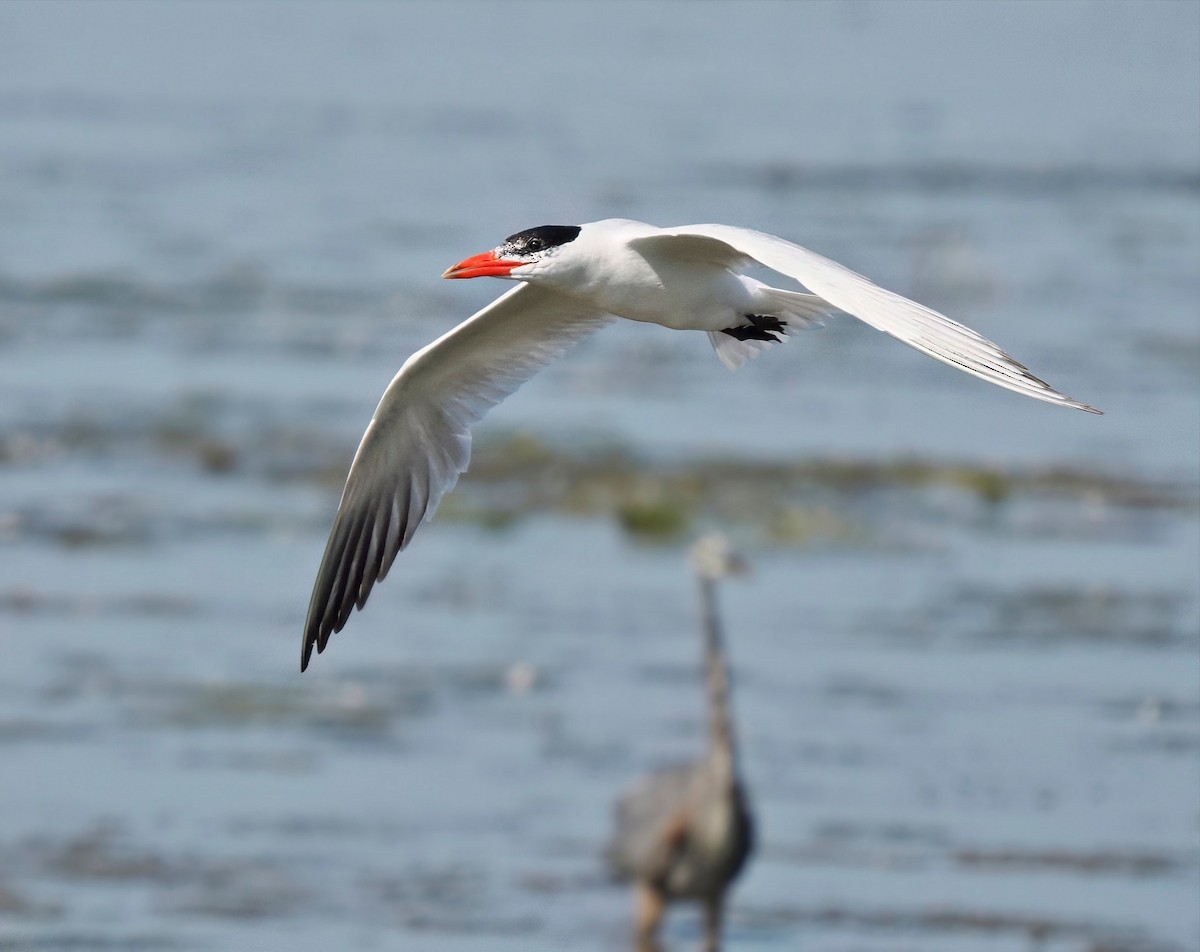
[[714, 558]]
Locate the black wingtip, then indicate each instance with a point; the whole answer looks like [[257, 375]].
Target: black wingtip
[[311, 640]]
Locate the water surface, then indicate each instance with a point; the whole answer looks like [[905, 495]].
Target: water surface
[[966, 661]]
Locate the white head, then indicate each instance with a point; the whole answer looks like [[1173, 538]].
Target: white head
[[519, 256], [714, 558]]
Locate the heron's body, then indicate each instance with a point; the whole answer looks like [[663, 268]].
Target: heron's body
[[682, 854]]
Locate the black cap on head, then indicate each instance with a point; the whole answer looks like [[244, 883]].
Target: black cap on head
[[532, 240]]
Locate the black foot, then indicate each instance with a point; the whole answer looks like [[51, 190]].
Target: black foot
[[761, 327]]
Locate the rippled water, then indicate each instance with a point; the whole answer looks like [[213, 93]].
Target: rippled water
[[966, 662]]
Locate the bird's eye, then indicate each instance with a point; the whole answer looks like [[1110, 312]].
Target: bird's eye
[[534, 244]]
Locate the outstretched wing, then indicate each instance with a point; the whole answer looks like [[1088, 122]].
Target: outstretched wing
[[914, 324], [419, 440]]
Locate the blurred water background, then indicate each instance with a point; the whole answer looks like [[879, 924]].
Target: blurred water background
[[968, 662]]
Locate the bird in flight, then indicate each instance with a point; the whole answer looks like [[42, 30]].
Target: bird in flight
[[574, 279]]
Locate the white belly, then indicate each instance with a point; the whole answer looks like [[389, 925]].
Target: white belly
[[688, 296], [682, 295]]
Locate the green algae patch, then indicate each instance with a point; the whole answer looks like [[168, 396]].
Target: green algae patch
[[662, 520], [791, 502], [805, 525], [238, 705], [990, 485]]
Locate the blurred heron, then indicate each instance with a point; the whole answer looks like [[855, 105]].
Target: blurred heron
[[685, 832]]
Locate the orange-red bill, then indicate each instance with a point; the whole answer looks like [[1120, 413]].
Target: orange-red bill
[[486, 265]]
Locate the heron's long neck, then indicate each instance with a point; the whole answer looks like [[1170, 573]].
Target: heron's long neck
[[721, 738]]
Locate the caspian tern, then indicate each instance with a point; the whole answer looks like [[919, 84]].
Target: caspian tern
[[573, 280]]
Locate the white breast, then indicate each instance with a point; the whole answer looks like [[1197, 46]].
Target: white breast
[[657, 288]]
